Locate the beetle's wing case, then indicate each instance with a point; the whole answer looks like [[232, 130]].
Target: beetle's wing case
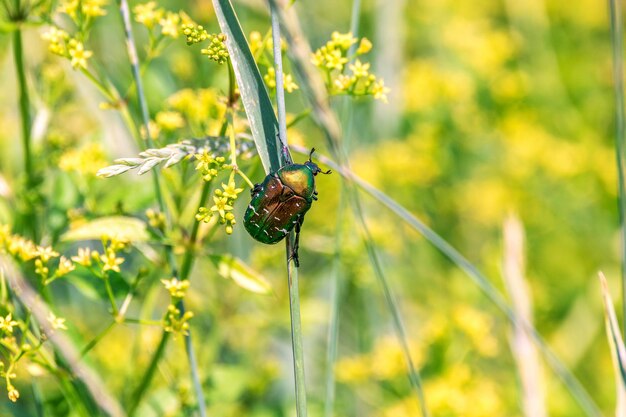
[[273, 211]]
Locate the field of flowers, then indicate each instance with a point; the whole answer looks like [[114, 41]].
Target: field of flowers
[[448, 268]]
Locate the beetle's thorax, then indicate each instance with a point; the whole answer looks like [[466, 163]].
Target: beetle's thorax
[[299, 178]]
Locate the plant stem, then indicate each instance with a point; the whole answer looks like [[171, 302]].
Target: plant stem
[[30, 216], [134, 61], [292, 273], [96, 339], [147, 377], [615, 11]]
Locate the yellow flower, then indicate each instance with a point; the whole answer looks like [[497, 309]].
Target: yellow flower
[[343, 40], [221, 205], [65, 266], [344, 82], [170, 120], [256, 42], [359, 69], [83, 257], [93, 8], [13, 393], [78, 54], [56, 322], [46, 253], [170, 25], [379, 91], [69, 7], [364, 47], [147, 14], [335, 59], [289, 83], [230, 191], [7, 323], [175, 287], [111, 261]]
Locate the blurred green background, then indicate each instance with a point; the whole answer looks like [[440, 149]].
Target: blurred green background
[[497, 108]]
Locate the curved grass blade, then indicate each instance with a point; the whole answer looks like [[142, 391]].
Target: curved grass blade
[[616, 343], [256, 101], [569, 380]]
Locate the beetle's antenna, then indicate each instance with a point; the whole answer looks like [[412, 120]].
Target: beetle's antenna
[[327, 172], [311, 154]]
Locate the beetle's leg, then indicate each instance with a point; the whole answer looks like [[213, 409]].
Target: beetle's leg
[[296, 244], [255, 189], [314, 197]]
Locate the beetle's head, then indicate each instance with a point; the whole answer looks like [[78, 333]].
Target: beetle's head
[[313, 166]]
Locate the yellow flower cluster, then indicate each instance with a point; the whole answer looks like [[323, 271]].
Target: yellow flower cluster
[[7, 324], [171, 24], [156, 219], [356, 79], [209, 165], [217, 48], [62, 44], [83, 161], [261, 48], [175, 322], [88, 8], [224, 200], [176, 288], [288, 82]]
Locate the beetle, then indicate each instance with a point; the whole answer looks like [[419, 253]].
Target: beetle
[[280, 202]]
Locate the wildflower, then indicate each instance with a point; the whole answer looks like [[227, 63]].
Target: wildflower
[[217, 48], [93, 8], [379, 91], [41, 269], [154, 128], [7, 323], [343, 40], [204, 215], [175, 287], [148, 14], [46, 253], [364, 46], [289, 83], [194, 34], [335, 60], [56, 322], [174, 322], [255, 42], [208, 165], [13, 393], [78, 54], [23, 248], [170, 120], [65, 266], [83, 257], [111, 261], [221, 206], [230, 191], [156, 219], [84, 161], [69, 7], [359, 69], [344, 82], [170, 25]]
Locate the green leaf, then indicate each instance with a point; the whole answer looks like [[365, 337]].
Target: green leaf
[[256, 101], [233, 268], [130, 228], [616, 343]]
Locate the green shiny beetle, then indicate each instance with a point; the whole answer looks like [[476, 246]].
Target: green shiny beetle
[[280, 202]]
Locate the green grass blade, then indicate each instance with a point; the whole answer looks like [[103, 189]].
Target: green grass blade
[[569, 380], [256, 101], [615, 11], [616, 343]]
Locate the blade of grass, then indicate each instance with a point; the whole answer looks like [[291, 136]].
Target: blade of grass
[[616, 343], [569, 380], [145, 115], [615, 11], [264, 126], [524, 352], [256, 101]]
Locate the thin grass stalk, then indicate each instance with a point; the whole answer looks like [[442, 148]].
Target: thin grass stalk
[[292, 269], [524, 352], [573, 385], [134, 61], [615, 11], [30, 220]]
